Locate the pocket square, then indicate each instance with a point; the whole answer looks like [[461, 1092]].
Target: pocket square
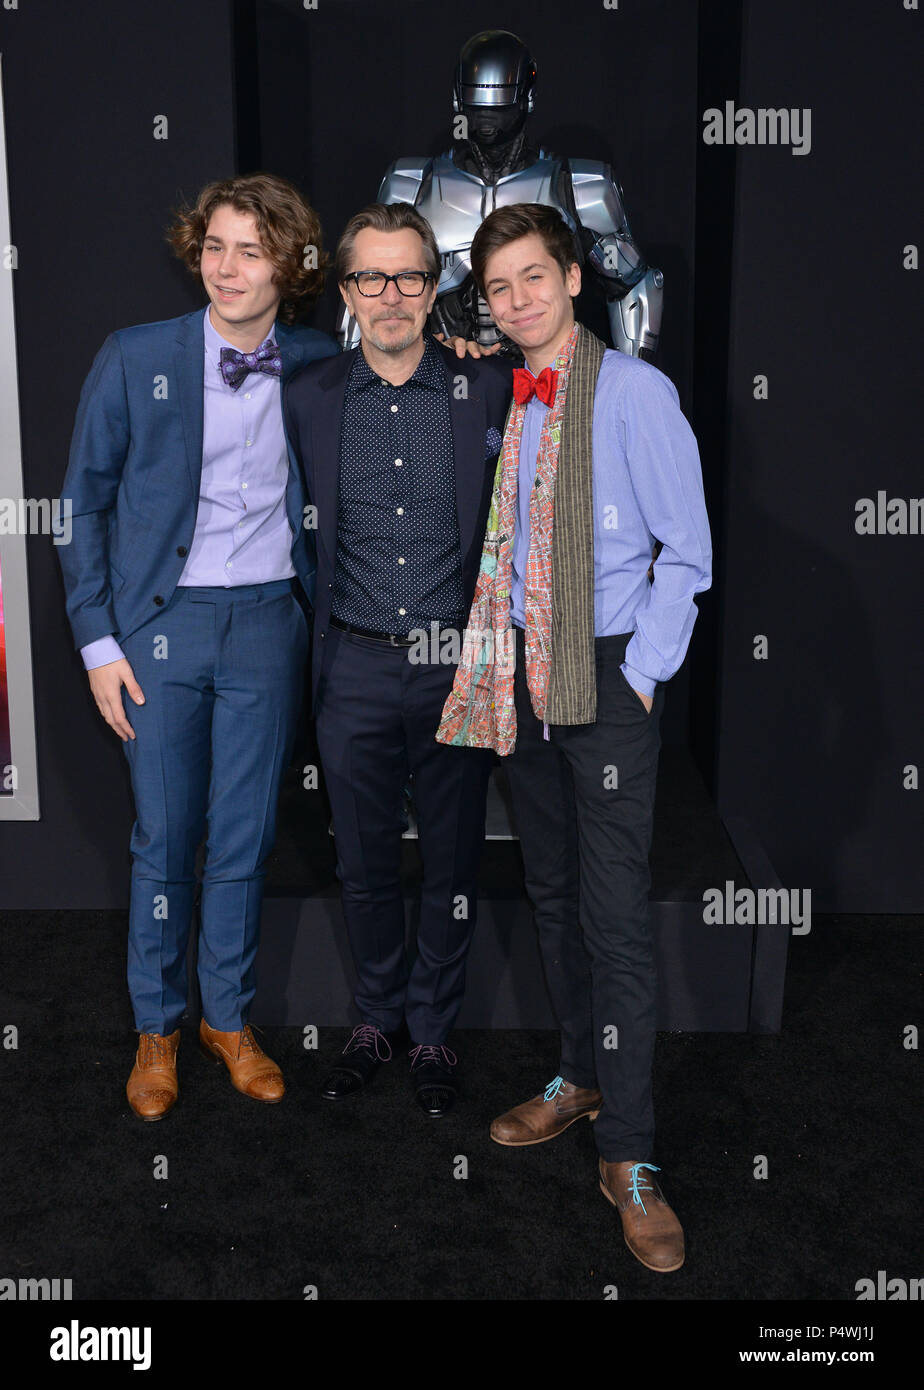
[[492, 442]]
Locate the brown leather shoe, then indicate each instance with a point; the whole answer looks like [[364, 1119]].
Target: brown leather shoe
[[152, 1087], [652, 1231], [547, 1115], [252, 1072]]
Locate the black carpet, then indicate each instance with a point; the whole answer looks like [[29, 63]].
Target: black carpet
[[360, 1199]]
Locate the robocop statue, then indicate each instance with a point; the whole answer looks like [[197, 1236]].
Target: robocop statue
[[495, 166]]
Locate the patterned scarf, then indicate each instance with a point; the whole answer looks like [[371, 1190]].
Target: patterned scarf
[[559, 582]]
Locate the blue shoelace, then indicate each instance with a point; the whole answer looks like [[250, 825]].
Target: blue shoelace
[[634, 1183], [636, 1186]]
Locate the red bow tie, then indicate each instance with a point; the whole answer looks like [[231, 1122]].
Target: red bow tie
[[525, 385]]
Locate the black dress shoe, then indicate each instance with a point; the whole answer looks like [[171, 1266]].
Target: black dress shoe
[[367, 1049], [433, 1079]]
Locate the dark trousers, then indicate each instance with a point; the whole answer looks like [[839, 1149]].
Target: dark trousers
[[583, 801], [377, 717]]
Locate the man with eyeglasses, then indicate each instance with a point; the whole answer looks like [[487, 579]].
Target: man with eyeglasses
[[398, 440]]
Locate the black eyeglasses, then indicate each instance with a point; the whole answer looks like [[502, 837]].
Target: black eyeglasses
[[371, 283]]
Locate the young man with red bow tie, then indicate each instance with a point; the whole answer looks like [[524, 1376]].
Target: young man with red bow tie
[[597, 463]]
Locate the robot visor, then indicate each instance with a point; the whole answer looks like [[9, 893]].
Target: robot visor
[[489, 96]]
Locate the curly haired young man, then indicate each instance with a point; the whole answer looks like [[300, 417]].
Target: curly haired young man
[[188, 551]]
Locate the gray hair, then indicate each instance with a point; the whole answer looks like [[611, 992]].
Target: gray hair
[[386, 217]]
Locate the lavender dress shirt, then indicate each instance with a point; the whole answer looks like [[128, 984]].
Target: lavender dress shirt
[[242, 533], [647, 483]]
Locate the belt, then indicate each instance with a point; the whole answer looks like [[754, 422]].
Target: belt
[[389, 638], [392, 639]]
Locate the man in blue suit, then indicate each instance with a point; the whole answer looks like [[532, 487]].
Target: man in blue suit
[[188, 549]]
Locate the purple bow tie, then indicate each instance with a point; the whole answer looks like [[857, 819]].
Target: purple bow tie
[[235, 366]]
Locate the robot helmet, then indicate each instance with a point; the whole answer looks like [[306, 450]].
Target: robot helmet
[[495, 69]]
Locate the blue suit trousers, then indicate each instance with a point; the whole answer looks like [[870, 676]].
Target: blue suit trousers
[[222, 673]]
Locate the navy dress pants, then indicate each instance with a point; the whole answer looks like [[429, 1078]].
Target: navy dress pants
[[222, 673], [377, 717]]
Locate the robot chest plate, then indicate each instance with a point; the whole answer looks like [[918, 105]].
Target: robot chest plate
[[455, 204]]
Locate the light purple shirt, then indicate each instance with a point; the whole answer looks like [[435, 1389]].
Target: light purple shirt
[[647, 483], [242, 533]]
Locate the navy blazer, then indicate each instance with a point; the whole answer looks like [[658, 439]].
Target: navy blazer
[[133, 475], [312, 411]]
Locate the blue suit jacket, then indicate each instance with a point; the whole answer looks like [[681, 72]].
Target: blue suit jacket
[[133, 475], [312, 412]]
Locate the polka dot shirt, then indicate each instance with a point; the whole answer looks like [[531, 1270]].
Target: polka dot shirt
[[399, 565]]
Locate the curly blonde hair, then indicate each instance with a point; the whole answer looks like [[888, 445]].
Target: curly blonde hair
[[288, 227]]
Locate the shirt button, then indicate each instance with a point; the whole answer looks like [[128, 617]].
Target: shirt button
[[246, 395], [248, 442], [394, 408], [243, 484], [401, 511], [398, 463], [402, 611], [400, 559], [240, 523], [228, 565]]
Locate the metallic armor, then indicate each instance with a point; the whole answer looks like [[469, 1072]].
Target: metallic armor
[[495, 166]]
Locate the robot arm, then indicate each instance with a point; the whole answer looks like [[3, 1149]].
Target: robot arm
[[634, 290], [635, 319], [401, 184]]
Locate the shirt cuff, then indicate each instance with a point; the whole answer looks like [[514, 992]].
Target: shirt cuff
[[101, 652], [643, 684]]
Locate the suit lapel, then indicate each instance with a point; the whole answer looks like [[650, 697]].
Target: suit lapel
[[292, 356], [468, 440], [325, 450], [291, 352], [189, 372]]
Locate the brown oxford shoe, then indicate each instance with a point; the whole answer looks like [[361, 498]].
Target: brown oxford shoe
[[152, 1087], [252, 1072], [547, 1115], [651, 1230]]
